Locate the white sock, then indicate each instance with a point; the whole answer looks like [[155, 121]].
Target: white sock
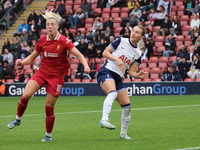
[[48, 134], [18, 118], [107, 105], [125, 119]]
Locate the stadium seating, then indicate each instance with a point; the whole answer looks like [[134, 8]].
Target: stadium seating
[[137, 80], [127, 80], [188, 80]]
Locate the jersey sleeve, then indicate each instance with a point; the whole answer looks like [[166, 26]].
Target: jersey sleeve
[[115, 44], [68, 44], [38, 47], [138, 61]]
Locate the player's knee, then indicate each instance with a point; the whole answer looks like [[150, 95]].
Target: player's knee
[[26, 96], [113, 94]]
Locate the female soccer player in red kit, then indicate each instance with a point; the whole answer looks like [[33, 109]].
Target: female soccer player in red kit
[[54, 65]]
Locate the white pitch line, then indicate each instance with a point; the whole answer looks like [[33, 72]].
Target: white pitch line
[[81, 112], [188, 148]]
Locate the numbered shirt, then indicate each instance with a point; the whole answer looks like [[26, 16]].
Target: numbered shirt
[[54, 54], [126, 52]]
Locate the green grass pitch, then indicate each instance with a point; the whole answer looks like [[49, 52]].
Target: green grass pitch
[[157, 123]]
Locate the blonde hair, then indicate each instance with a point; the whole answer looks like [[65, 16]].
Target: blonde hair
[[49, 14]]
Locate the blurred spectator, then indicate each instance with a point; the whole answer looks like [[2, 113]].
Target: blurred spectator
[[2, 2], [34, 28], [194, 34], [15, 48], [148, 7], [8, 7], [34, 42], [141, 45], [31, 37], [9, 3], [151, 17], [197, 43], [25, 50], [149, 48], [70, 14], [32, 16], [165, 26], [61, 31], [188, 5], [80, 74], [19, 76], [127, 33], [97, 25], [89, 37], [131, 4], [196, 9], [86, 7], [128, 25], [161, 16], [107, 34], [102, 3], [35, 67], [147, 34], [194, 68], [194, 22], [191, 53], [27, 78], [1, 12], [94, 68], [101, 48], [8, 56], [69, 35], [115, 3], [61, 8], [24, 36], [166, 76], [20, 28], [91, 50], [176, 26], [181, 53], [144, 17], [82, 47], [175, 75], [98, 36], [111, 39], [183, 68], [170, 46], [135, 16], [41, 22], [7, 69], [96, 43], [78, 18], [78, 36], [6, 44], [108, 23]]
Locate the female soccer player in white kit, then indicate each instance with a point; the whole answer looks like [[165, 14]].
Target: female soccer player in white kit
[[122, 54]]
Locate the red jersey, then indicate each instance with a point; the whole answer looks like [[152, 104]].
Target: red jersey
[[54, 54]]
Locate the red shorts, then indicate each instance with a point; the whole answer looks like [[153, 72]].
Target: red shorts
[[54, 84]]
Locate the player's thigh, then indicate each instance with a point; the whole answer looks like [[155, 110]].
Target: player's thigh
[[108, 85], [51, 100], [123, 98], [31, 87]]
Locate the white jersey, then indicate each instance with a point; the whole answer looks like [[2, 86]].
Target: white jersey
[[126, 52]]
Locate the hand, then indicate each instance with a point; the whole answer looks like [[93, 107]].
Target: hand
[[192, 63], [178, 58], [19, 62], [142, 74], [87, 70], [120, 64]]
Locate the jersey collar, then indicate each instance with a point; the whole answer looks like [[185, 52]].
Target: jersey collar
[[131, 43], [56, 38]]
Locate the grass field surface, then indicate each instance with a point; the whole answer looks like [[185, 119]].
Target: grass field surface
[[157, 123]]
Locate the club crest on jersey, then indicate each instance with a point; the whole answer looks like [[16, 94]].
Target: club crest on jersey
[[125, 59], [58, 47]]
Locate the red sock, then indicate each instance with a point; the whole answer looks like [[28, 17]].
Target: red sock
[[22, 106], [50, 117]]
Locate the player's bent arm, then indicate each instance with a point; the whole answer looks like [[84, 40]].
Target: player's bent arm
[[82, 59], [132, 72], [30, 58], [107, 54]]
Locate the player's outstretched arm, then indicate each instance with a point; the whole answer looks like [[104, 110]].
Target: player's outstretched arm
[[82, 59], [107, 54], [27, 60], [133, 73]]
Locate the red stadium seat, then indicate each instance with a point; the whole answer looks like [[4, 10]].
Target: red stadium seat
[[162, 65], [73, 66], [171, 59], [76, 80], [86, 80], [173, 8], [27, 67], [188, 43], [197, 79], [124, 15], [154, 75], [157, 80], [98, 10], [146, 70], [118, 29], [153, 60], [178, 3], [117, 20], [179, 42], [158, 44], [188, 80], [179, 38], [88, 25], [146, 80], [163, 59], [74, 61], [82, 30], [180, 13], [39, 60], [156, 28], [76, 7], [106, 10], [50, 7], [10, 81], [155, 70], [182, 8], [115, 10], [159, 51], [77, 2], [94, 80], [16, 67], [152, 65], [116, 24], [188, 38], [127, 80], [137, 80], [51, 3], [124, 10], [73, 31], [143, 65], [104, 15], [159, 39], [145, 61], [68, 3], [94, 6], [117, 34], [28, 71], [89, 20], [114, 15]]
